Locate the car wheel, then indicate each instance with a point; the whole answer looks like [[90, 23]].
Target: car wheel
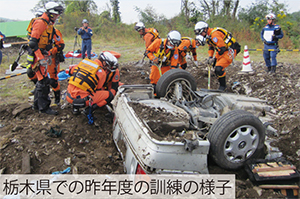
[[176, 83], [236, 137]]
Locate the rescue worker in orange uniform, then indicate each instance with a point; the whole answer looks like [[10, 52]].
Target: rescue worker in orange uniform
[[54, 68], [164, 55], [112, 80], [41, 43], [148, 34], [88, 85], [30, 56], [222, 44], [188, 45]]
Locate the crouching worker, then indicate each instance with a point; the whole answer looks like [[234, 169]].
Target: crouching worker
[[93, 83]]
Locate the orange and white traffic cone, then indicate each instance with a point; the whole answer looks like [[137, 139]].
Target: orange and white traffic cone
[[246, 62]]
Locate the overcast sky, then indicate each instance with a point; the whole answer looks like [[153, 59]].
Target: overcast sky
[[20, 9]]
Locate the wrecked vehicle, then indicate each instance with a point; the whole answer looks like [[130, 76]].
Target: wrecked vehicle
[[176, 130]]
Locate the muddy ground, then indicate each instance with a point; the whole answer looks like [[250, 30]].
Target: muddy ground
[[89, 149]]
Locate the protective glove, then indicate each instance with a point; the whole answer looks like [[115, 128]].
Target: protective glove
[[211, 61], [155, 60], [274, 38], [196, 63], [277, 31], [188, 56], [43, 62]]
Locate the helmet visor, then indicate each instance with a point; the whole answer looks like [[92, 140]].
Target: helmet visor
[[175, 42], [110, 64], [201, 40], [138, 28], [58, 10], [199, 31]]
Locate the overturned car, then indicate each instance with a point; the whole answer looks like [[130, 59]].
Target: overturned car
[[176, 130]]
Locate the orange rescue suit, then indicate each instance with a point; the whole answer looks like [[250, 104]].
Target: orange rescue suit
[[98, 97], [42, 30], [169, 58], [187, 45], [111, 78], [149, 37], [216, 42], [54, 68]]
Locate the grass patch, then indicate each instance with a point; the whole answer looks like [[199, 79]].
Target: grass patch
[[15, 89]]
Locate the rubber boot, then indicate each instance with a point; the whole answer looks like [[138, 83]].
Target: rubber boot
[[273, 69], [30, 93], [154, 88], [41, 99], [222, 81], [50, 111], [57, 98], [269, 69]]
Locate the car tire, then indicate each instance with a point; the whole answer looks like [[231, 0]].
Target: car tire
[[236, 137], [172, 76]]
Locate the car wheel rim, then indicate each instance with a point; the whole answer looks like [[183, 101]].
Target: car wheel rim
[[170, 92], [241, 143]]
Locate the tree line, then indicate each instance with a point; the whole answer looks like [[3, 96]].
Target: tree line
[[245, 22]]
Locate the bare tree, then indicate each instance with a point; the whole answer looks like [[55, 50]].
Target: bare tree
[[227, 5], [236, 5], [211, 8], [185, 10]]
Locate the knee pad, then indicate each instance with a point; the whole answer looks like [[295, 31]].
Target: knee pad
[[110, 97], [219, 71], [30, 73]]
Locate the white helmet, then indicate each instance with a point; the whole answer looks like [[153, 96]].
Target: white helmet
[[39, 12], [85, 21], [201, 40], [139, 26], [200, 27], [54, 8], [270, 16], [174, 37], [109, 59]]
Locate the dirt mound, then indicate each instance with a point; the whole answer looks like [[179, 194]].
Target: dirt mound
[[86, 148], [89, 149]]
